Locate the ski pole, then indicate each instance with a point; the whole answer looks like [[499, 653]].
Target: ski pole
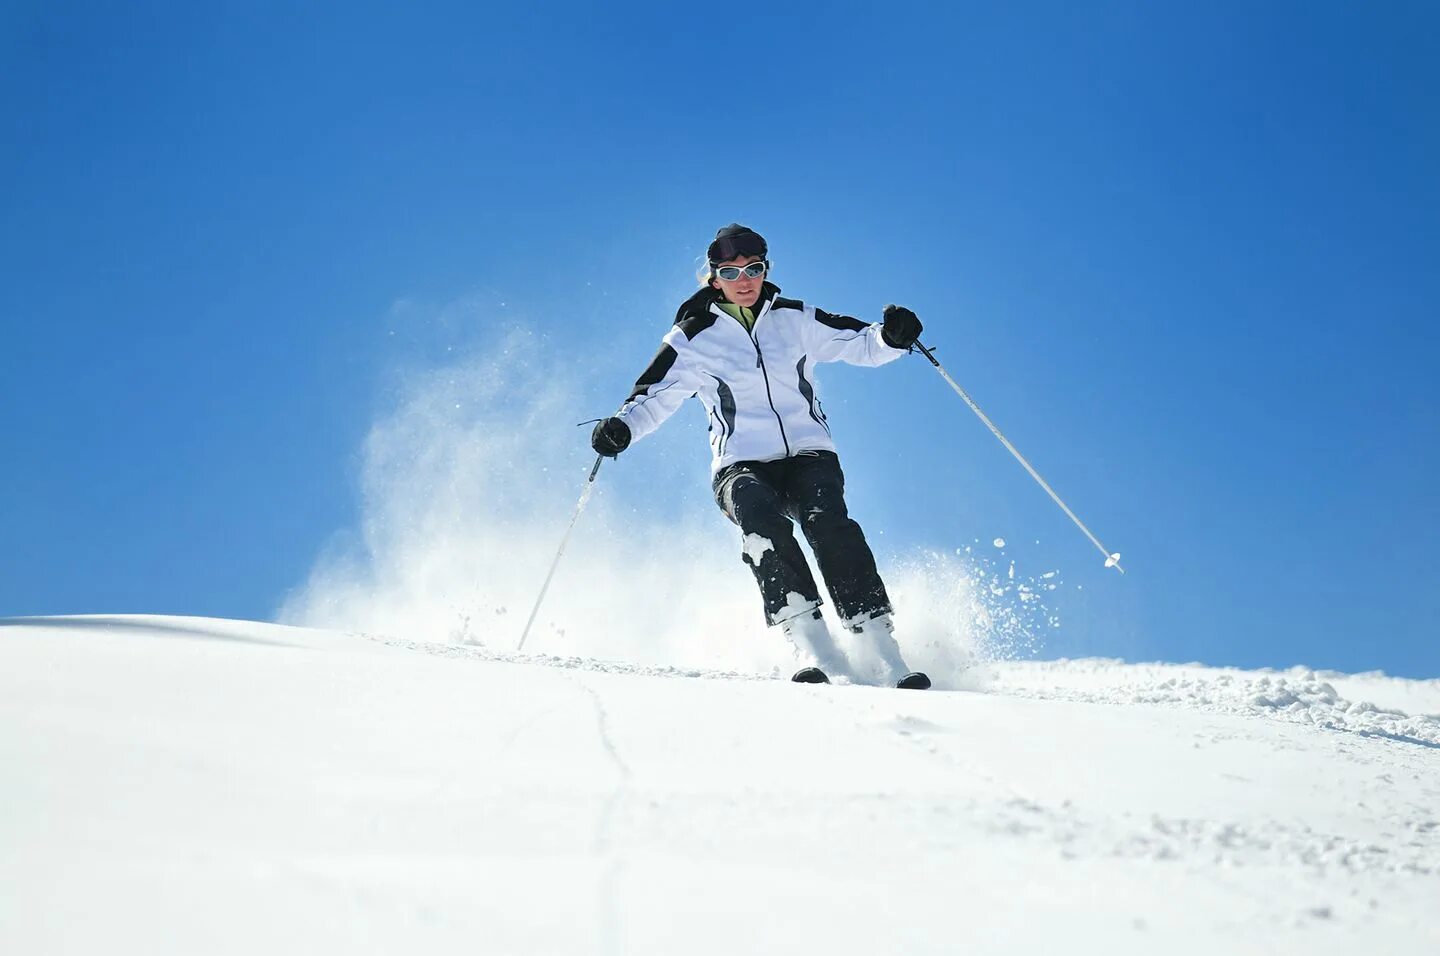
[[584, 497], [1112, 560]]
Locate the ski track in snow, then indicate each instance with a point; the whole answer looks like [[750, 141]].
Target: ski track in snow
[[604, 847], [1140, 808]]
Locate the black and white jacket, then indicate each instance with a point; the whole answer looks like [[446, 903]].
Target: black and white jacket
[[758, 387]]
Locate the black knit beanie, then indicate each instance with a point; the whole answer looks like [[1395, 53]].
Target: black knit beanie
[[733, 241]]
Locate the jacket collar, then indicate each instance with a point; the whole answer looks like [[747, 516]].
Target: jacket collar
[[706, 300]]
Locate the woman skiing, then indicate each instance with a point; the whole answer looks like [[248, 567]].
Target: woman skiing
[[749, 354]]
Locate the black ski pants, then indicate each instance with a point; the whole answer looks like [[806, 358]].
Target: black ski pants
[[765, 497]]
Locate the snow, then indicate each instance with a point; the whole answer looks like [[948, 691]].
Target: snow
[[1300, 695], [754, 547], [192, 785]]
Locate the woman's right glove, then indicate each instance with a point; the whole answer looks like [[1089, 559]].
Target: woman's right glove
[[610, 437], [902, 327]]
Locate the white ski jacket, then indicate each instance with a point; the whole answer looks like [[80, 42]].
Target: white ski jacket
[[758, 387]]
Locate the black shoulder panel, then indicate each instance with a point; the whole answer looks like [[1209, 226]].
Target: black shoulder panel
[[660, 366], [842, 322], [696, 324], [697, 304], [783, 303]]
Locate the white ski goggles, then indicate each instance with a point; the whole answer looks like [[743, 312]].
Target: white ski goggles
[[730, 273]]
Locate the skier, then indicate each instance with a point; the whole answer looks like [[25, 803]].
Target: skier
[[749, 354]]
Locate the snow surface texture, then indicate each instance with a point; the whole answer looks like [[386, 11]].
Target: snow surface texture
[[197, 786]]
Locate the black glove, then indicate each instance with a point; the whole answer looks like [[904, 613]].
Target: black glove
[[902, 327], [610, 437]]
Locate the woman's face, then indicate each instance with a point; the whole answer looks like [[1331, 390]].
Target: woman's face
[[744, 290]]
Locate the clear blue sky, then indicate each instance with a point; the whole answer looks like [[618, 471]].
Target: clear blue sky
[[1185, 255]]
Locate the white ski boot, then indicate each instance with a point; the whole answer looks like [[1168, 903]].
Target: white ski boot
[[807, 632], [879, 631]]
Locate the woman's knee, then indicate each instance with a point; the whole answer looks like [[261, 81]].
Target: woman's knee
[[821, 524], [751, 503]]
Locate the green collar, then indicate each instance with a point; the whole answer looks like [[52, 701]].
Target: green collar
[[739, 313], [746, 316]]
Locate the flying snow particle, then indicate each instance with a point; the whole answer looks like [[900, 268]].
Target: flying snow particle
[[999, 542]]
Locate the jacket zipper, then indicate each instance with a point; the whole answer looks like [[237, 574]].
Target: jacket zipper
[[760, 363]]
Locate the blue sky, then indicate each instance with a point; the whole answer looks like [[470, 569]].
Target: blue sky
[[1184, 257]]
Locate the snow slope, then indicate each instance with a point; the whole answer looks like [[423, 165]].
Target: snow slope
[[190, 785]]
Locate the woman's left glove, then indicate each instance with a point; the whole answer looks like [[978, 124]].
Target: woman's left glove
[[610, 437], [902, 327]]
